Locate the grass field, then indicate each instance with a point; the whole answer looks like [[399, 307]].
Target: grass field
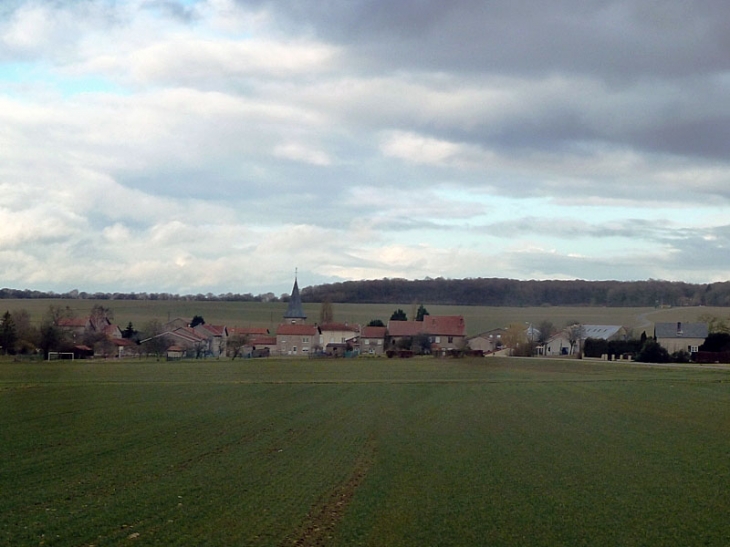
[[478, 318], [363, 452]]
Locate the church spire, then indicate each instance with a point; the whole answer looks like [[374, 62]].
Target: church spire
[[294, 312]]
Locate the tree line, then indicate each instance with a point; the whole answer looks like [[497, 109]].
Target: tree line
[[511, 292], [462, 292]]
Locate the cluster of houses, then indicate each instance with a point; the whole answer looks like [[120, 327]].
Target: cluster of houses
[[673, 337], [293, 337], [296, 337], [178, 338]]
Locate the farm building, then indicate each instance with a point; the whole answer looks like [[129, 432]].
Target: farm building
[[567, 343]]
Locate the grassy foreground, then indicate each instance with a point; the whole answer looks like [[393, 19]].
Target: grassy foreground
[[365, 452]]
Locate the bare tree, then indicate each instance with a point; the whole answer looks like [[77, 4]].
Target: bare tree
[[152, 339], [326, 312], [235, 345], [575, 338]]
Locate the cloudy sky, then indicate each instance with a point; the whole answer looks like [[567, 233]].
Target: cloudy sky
[[216, 145]]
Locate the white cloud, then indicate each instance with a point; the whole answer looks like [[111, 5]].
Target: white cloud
[[299, 152], [217, 145]]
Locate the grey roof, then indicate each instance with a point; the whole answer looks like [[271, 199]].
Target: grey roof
[[294, 310], [680, 330], [600, 332]]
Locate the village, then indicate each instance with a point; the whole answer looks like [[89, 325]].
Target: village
[[96, 336]]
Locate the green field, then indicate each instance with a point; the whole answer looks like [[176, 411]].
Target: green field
[[363, 452], [260, 314]]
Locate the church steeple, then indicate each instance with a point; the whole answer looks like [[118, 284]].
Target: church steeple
[[294, 312]]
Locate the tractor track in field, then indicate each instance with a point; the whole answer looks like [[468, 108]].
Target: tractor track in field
[[320, 523]]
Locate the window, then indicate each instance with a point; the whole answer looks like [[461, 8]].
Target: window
[[451, 339], [693, 349], [380, 342], [305, 339], [294, 349], [437, 339]]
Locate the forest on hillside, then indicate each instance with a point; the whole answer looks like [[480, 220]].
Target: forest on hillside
[[462, 292], [510, 292]]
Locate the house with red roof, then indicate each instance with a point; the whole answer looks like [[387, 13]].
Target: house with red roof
[[217, 336], [248, 332], [445, 332], [372, 340], [296, 339]]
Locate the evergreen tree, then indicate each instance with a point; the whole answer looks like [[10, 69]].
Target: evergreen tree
[[421, 313], [399, 315], [197, 320], [129, 332]]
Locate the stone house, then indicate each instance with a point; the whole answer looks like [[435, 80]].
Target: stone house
[[681, 336], [296, 339], [372, 340]]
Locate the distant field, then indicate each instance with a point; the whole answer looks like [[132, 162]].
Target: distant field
[[478, 318], [363, 452]]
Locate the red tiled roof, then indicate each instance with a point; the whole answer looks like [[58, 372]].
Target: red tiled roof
[[445, 325], [188, 334], [436, 325], [373, 332], [123, 342], [215, 330], [337, 327], [296, 330], [405, 328], [74, 322], [244, 331]]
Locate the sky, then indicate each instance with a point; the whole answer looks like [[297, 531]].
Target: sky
[[218, 145]]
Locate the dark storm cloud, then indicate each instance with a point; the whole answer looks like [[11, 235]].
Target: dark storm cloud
[[667, 57], [616, 39]]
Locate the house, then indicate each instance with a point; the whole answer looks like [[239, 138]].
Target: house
[[190, 342], [98, 333], [177, 323], [337, 333], [372, 340], [296, 339], [217, 336], [74, 327], [680, 336], [444, 332], [124, 347], [260, 346], [488, 341]]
